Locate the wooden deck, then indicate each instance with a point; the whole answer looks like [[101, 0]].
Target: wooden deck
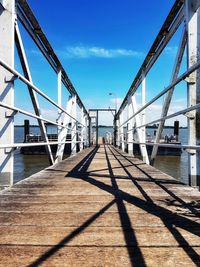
[[100, 208]]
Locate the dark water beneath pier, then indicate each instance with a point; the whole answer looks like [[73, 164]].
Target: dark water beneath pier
[[26, 165]]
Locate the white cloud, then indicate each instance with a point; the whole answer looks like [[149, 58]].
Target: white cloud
[[98, 52], [116, 100], [154, 112], [171, 49], [49, 114]]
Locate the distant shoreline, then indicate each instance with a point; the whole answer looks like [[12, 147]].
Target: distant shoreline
[[105, 126]]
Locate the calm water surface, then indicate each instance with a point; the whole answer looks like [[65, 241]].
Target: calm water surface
[[26, 165]]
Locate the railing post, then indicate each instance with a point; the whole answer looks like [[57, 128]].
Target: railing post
[[118, 133], [192, 12], [121, 119], [130, 127], [63, 131], [143, 129], [115, 132], [82, 129], [74, 126], [7, 20], [89, 125], [85, 137], [143, 148], [60, 104]]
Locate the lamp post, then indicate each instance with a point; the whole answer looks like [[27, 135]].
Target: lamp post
[[115, 99], [115, 122]]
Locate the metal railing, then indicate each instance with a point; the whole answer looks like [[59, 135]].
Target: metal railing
[[183, 14], [67, 121]]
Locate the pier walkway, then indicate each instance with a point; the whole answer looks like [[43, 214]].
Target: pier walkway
[[101, 207]]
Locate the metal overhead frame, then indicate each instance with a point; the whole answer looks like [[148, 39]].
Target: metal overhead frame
[[97, 110], [32, 26]]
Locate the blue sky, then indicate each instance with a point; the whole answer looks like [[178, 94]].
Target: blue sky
[[101, 44]]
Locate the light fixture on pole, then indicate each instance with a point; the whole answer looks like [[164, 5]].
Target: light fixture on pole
[[115, 97]]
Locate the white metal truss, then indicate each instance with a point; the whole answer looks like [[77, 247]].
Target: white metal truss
[[10, 12], [169, 94], [121, 130], [62, 132], [7, 20], [74, 126], [130, 127], [27, 74], [192, 16], [139, 130]]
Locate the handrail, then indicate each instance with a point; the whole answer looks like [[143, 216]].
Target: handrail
[[27, 82], [183, 111], [173, 84], [17, 145], [18, 110]]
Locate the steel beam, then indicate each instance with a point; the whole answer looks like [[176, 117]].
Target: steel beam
[[121, 130], [63, 132], [130, 127], [193, 29], [7, 20], [27, 74], [82, 136], [169, 27], [177, 81], [74, 126], [143, 119], [139, 131], [169, 95], [33, 28]]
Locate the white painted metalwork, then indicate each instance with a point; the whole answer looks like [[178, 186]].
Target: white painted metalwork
[[130, 126], [27, 74], [121, 129], [74, 126], [7, 20], [63, 131], [67, 121], [193, 56], [169, 94], [187, 11]]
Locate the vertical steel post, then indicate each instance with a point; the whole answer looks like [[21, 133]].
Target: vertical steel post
[[82, 129], [122, 131], [59, 156], [85, 137], [89, 125], [97, 127], [115, 131], [143, 148], [118, 133], [130, 127], [143, 103], [7, 20], [74, 126], [192, 13], [59, 103], [63, 131]]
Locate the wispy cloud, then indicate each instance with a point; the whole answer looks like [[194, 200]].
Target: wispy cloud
[[171, 50], [97, 52], [116, 100]]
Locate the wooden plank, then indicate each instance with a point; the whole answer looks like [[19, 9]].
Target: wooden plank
[[100, 208]]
